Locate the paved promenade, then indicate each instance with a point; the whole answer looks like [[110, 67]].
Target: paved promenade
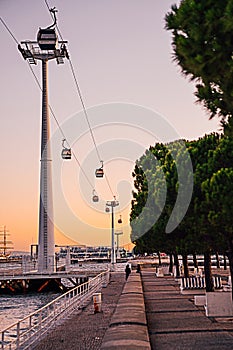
[[85, 330], [171, 320], [174, 322]]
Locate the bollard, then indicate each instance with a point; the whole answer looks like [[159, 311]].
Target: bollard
[[105, 280], [97, 302]]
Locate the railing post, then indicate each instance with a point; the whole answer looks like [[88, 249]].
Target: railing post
[[3, 340], [18, 335], [40, 321], [81, 290], [65, 301]]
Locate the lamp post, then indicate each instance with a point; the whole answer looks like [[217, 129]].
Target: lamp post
[[46, 48], [118, 233], [112, 204]]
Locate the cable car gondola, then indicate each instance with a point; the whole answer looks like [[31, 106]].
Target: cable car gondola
[[100, 172], [95, 198], [47, 37], [66, 152], [107, 210], [119, 220]]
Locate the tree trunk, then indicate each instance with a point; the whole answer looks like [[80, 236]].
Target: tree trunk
[[217, 260], [224, 261], [176, 263], [230, 257], [208, 272], [185, 265], [159, 259], [195, 260], [171, 263]]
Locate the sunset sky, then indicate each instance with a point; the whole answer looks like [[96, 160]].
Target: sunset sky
[[135, 96]]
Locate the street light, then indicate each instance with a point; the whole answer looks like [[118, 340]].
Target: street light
[[118, 233], [112, 204]]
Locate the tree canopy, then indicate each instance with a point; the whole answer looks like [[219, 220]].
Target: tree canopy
[[207, 225], [203, 47]]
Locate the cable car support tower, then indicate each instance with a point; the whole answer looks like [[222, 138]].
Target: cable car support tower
[[46, 48]]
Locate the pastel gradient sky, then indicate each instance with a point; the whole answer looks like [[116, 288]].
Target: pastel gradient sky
[[122, 57]]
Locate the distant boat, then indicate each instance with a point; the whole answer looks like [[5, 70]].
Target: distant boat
[[5, 245]]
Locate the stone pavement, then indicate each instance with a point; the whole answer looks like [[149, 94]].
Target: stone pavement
[[85, 330], [174, 322]]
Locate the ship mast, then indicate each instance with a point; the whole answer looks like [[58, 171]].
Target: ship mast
[[4, 242]]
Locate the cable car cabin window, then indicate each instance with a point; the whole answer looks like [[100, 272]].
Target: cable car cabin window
[[99, 172], [66, 153], [95, 198], [47, 39]]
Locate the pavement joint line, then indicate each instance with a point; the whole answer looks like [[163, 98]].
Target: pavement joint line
[[162, 299], [124, 293], [170, 311], [191, 331], [161, 291], [159, 283], [124, 323]]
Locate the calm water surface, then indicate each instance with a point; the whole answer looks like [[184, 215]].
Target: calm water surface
[[16, 307]]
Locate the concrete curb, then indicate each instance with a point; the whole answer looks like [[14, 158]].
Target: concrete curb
[[128, 326]]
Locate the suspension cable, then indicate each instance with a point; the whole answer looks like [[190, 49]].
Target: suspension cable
[[82, 103], [9, 31], [78, 90], [88, 122], [84, 108]]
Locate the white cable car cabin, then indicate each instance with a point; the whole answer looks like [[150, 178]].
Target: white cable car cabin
[[100, 172], [47, 37], [66, 152], [95, 198]]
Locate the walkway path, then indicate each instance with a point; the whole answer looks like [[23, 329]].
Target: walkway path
[[174, 322], [85, 330]]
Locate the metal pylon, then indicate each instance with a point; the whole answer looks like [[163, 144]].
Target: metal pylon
[[46, 48]]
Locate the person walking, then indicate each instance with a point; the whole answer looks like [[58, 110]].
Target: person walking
[[127, 271]]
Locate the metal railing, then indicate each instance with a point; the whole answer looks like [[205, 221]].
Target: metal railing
[[27, 331]]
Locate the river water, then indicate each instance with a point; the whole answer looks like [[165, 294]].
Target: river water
[[16, 307]]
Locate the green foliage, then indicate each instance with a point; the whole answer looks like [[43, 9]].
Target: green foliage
[[219, 195], [208, 221], [154, 203], [203, 44]]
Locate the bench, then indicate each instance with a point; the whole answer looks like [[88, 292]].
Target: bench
[[198, 283]]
